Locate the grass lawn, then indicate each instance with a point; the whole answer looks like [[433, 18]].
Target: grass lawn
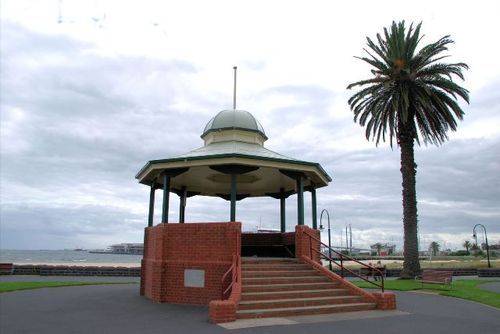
[[441, 262], [465, 289], [13, 286]]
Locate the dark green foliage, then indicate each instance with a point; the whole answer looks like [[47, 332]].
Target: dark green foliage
[[411, 97], [409, 86], [434, 248], [459, 253]]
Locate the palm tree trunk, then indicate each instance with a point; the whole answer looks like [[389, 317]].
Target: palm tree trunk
[[411, 265]]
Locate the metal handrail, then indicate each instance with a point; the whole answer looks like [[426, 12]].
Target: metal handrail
[[234, 270], [341, 265]]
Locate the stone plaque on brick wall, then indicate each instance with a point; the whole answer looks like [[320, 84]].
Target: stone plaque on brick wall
[[194, 278]]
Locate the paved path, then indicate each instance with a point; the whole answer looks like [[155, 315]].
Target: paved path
[[37, 278], [492, 286], [120, 309]]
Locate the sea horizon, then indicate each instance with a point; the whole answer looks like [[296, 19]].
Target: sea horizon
[[67, 257]]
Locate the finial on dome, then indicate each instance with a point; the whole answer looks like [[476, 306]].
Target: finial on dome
[[234, 88]]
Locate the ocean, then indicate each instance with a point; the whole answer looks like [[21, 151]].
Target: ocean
[[68, 257]]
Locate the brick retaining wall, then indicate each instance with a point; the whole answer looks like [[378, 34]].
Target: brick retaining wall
[[304, 246], [171, 249]]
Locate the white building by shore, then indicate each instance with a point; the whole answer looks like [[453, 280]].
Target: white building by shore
[[127, 248]]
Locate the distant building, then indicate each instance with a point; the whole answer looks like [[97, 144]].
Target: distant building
[[383, 249], [494, 249], [423, 253], [127, 248]]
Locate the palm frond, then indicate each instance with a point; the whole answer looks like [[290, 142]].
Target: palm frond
[[413, 91]]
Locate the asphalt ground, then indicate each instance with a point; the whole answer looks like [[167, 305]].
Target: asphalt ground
[[38, 278], [491, 286], [119, 309]]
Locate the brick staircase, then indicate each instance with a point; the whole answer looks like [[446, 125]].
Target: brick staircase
[[285, 287]]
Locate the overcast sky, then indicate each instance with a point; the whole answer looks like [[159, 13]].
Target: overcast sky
[[92, 90]]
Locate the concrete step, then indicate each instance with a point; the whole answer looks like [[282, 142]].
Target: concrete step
[[290, 286], [278, 273], [274, 267], [304, 310], [284, 280], [293, 294], [297, 302], [269, 260]]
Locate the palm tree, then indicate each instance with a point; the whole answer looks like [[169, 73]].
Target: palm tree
[[466, 245], [434, 248], [411, 97]]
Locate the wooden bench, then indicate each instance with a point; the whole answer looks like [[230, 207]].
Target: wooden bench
[[444, 277], [373, 273]]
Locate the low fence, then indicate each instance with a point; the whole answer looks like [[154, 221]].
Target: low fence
[[490, 272], [456, 272], [47, 270]]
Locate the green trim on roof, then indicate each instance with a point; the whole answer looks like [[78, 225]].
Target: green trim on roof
[[234, 128], [234, 119], [233, 155]]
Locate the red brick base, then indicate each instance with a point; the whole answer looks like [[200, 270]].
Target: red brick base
[[304, 245], [222, 311], [385, 300], [171, 249]]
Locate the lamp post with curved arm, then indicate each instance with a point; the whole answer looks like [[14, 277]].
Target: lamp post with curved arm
[[474, 235], [329, 236]]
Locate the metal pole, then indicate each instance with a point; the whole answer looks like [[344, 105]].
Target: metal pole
[[487, 247], [300, 201], [166, 198], [350, 239], [313, 209], [233, 198], [341, 265], [182, 205], [346, 241], [329, 236], [234, 88], [329, 244], [282, 210], [485, 239], [151, 204]]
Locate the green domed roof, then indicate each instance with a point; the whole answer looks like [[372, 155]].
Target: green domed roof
[[234, 120]]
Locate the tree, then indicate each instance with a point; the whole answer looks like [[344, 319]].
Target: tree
[[412, 97], [467, 245], [434, 248], [378, 247], [476, 251]]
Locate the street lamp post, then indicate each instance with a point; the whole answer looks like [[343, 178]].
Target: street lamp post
[[329, 236], [474, 235]]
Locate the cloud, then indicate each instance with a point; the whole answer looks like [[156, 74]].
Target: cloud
[[75, 131], [78, 123]]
